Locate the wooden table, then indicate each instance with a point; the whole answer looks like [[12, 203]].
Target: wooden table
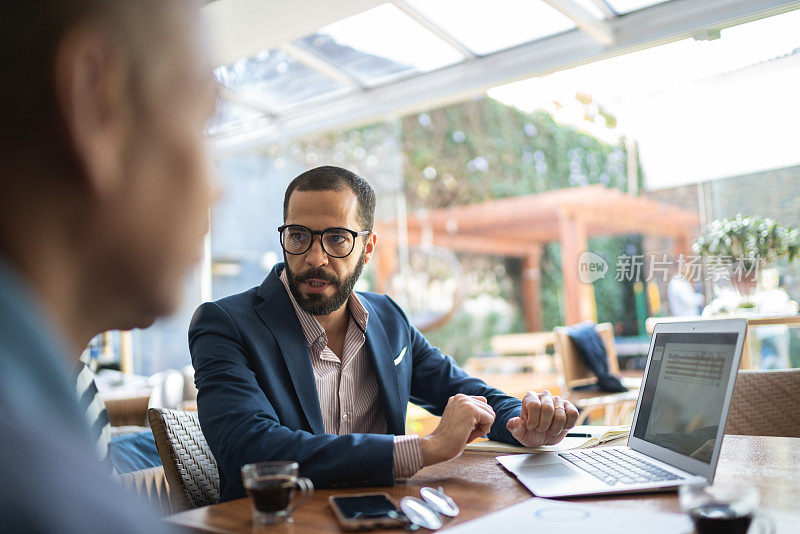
[[480, 485]]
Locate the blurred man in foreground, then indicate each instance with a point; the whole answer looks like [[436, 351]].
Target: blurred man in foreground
[[104, 197]]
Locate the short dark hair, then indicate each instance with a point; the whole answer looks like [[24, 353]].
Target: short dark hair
[[330, 178]]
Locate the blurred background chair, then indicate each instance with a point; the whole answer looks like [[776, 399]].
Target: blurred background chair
[[189, 465], [189, 389], [167, 390], [573, 373], [765, 403]]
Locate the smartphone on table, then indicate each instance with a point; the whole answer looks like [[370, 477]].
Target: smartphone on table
[[363, 511]]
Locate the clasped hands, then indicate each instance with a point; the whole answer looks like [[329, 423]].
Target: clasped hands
[[544, 420]]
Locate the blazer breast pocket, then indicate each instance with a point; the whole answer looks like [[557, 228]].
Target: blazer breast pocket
[[400, 356]]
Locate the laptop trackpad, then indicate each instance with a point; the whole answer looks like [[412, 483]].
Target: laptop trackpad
[[547, 471]]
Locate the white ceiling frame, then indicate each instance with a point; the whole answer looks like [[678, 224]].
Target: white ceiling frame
[[238, 98], [598, 29], [653, 26], [607, 10], [434, 28], [323, 66]]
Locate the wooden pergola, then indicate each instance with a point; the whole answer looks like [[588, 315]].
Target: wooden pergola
[[521, 226]]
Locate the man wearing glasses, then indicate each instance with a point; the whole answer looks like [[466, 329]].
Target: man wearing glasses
[[303, 368]]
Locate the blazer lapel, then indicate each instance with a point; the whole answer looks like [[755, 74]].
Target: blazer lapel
[[383, 363], [278, 315]]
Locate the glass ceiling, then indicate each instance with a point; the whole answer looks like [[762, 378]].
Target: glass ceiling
[[374, 46], [274, 81], [389, 43], [471, 21], [228, 116]]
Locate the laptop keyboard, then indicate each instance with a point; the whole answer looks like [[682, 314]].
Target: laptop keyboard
[[614, 466]]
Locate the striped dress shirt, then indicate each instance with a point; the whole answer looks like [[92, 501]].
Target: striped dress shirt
[[347, 388]]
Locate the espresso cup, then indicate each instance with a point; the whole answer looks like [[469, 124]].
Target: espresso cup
[[271, 487], [724, 509]]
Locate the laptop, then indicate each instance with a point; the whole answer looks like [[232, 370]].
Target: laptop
[[677, 428]]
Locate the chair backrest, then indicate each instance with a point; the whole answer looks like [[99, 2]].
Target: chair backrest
[[765, 403], [189, 466], [572, 371]]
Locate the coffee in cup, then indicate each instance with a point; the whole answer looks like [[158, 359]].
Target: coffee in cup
[[723, 509], [271, 487]]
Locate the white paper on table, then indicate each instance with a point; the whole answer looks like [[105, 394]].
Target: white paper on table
[[545, 515]]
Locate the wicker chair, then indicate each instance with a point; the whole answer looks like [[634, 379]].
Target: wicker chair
[[191, 469], [765, 403]]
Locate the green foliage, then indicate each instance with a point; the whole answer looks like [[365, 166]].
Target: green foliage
[[749, 238], [483, 150], [615, 300], [552, 287]]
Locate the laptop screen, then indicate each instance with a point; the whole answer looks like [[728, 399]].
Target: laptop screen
[[684, 394]]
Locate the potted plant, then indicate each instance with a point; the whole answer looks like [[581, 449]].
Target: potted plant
[[745, 244]]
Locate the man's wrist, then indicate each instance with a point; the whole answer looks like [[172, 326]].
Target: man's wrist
[[431, 450]]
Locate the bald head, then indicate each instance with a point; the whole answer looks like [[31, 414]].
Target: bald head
[[102, 156]]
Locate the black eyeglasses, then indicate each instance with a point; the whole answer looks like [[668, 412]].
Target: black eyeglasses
[[296, 239]]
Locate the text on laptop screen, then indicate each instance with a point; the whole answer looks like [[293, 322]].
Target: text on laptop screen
[[685, 390]]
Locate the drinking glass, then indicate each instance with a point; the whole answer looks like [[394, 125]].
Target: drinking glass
[[271, 487], [724, 509]]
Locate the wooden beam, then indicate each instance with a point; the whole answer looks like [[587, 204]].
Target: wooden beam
[[578, 296], [532, 288], [598, 205], [386, 261], [505, 211], [475, 244], [626, 215], [545, 232], [682, 244], [616, 204]]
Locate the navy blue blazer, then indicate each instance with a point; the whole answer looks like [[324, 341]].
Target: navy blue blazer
[[258, 401]]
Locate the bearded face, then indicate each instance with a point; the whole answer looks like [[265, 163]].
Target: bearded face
[[317, 302]]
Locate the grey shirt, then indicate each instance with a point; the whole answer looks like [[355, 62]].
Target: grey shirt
[[51, 480]]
